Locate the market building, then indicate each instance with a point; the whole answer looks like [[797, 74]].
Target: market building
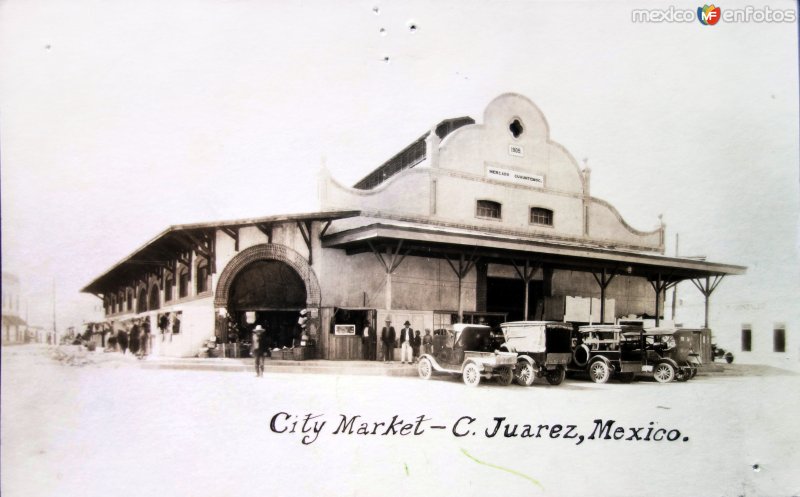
[[472, 222]]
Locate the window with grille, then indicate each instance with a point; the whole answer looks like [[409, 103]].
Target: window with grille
[[779, 339], [541, 216], [488, 208], [747, 339]]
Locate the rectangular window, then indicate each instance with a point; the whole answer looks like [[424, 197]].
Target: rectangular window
[[747, 338], [779, 339], [541, 216], [168, 289], [487, 208]]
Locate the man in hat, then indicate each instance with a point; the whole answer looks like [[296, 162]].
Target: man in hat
[[368, 341], [406, 335], [387, 339], [259, 348]]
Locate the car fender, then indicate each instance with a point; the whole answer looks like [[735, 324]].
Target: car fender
[[435, 365], [602, 359], [671, 362], [528, 359]]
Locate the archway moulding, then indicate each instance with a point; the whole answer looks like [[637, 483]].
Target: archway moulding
[[268, 251]]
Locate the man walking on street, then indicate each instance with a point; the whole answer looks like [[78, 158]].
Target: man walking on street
[[387, 339], [259, 348]]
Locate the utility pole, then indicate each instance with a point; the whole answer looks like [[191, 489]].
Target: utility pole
[[55, 330], [675, 288]]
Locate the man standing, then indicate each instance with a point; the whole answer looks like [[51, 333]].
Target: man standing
[[368, 341], [387, 339], [406, 335], [259, 346]]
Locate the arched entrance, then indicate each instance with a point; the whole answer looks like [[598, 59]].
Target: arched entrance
[[265, 285]]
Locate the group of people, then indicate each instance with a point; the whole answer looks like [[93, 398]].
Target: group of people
[[412, 343]]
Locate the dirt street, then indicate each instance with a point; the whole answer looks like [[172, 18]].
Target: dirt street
[[113, 428]]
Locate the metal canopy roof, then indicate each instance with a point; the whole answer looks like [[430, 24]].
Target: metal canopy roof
[[443, 243], [161, 250]]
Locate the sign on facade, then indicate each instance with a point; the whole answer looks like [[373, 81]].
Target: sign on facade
[[514, 177], [344, 329]]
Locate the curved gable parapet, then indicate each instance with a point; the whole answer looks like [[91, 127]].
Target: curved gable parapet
[[607, 223], [514, 136], [406, 192]]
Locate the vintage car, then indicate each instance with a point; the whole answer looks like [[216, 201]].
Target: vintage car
[[467, 350], [543, 349], [625, 352]]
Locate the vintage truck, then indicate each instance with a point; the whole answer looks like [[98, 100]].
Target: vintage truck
[[543, 349], [467, 350]]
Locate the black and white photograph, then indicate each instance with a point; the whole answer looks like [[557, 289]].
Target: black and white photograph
[[393, 248]]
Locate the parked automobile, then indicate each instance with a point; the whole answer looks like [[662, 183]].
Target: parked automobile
[[468, 351], [543, 349], [625, 352], [720, 353]]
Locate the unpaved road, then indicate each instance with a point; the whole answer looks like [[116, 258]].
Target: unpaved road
[[115, 429]]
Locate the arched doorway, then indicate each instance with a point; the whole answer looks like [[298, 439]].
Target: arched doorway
[[269, 293]]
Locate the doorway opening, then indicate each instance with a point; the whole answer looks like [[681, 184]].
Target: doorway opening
[[508, 296]]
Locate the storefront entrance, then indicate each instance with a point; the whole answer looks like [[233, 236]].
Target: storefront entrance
[[268, 293], [508, 296]]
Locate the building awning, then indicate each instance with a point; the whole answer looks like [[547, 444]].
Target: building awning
[[431, 241], [162, 251], [11, 320]]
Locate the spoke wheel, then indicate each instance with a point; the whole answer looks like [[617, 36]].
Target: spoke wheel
[[425, 369], [505, 376], [599, 372], [556, 376], [524, 373], [664, 373], [472, 375]]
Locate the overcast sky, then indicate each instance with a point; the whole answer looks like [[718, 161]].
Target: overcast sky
[[120, 118]]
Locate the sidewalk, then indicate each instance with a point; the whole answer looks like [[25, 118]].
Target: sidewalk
[[315, 366]]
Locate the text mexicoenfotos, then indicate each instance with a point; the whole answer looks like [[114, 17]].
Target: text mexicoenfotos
[[308, 427]]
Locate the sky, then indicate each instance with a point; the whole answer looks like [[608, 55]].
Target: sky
[[118, 119]]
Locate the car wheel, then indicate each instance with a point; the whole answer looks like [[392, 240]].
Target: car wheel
[[682, 374], [524, 373], [664, 372], [581, 355], [472, 375], [425, 369], [599, 372], [728, 357], [626, 377], [556, 376], [693, 373], [505, 376]]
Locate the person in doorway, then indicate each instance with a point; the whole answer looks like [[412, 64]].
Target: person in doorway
[[368, 341], [259, 346], [427, 342], [387, 339], [406, 335], [416, 342]]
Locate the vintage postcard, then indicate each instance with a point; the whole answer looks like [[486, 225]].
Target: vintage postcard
[[399, 248]]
